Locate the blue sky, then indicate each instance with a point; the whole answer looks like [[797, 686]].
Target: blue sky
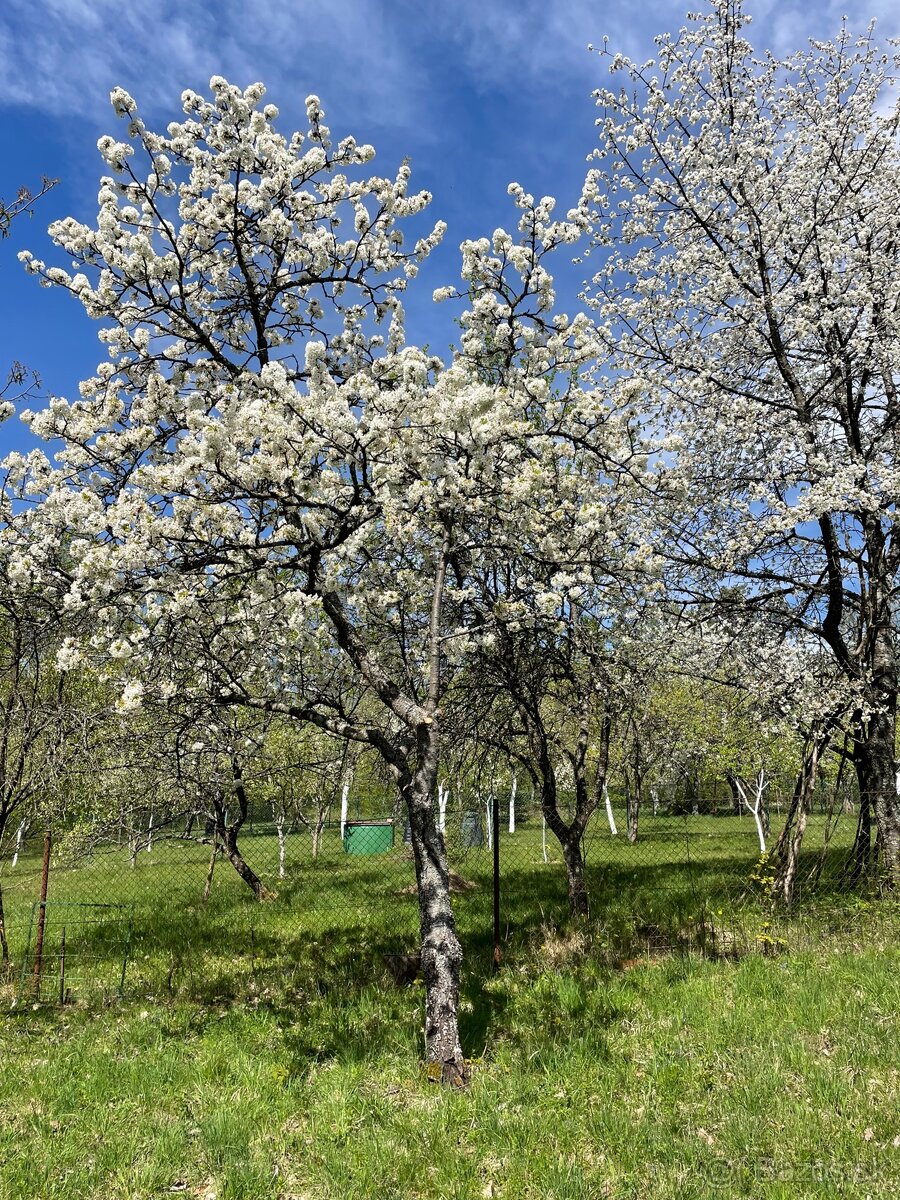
[[475, 92]]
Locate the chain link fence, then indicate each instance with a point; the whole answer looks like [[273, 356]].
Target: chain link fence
[[157, 906]]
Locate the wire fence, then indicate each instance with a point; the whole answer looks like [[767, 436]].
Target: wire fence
[[158, 905]]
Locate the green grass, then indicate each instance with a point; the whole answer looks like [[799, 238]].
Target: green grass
[[647, 896], [761, 1077], [263, 1052]]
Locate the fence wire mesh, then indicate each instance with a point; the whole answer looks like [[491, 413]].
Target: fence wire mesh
[[75, 949], [161, 894]]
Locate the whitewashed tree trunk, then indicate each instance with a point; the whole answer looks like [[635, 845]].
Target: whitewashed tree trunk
[[345, 794], [150, 834], [20, 836], [754, 804], [654, 796], [318, 826], [759, 831], [207, 883], [489, 808], [609, 812], [512, 806], [544, 837], [443, 797], [279, 827]]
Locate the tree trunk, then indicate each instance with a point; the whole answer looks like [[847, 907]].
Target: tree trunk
[[757, 809], [860, 862], [20, 835], [760, 826], [440, 947], [207, 883], [441, 952], [610, 817], [228, 838], [577, 887], [5, 962], [279, 826], [735, 793], [443, 797], [225, 834], [568, 835], [788, 876], [876, 771], [787, 851], [632, 807], [318, 827], [634, 791], [345, 800]]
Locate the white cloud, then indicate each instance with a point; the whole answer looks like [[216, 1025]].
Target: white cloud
[[510, 42], [785, 27], [375, 57], [64, 56]]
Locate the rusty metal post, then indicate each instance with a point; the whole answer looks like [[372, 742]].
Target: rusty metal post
[[42, 914], [495, 821]]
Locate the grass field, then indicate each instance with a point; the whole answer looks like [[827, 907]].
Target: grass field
[[647, 897], [264, 1052]]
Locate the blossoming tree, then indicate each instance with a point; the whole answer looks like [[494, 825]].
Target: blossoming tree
[[559, 594], [271, 498], [745, 213]]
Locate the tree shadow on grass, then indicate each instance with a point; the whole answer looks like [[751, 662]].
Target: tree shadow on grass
[[319, 969]]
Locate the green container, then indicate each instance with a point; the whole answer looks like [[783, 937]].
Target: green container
[[368, 837]]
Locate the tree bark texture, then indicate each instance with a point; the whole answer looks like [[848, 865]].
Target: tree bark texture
[[787, 851], [573, 857], [876, 772], [440, 946], [568, 834], [633, 788], [225, 834], [5, 963]]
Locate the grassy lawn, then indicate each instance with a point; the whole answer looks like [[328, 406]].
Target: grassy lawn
[[760, 1077], [646, 896], [265, 1051]]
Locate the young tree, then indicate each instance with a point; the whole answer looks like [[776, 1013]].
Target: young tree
[[746, 213], [216, 761], [551, 597], [305, 773]]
